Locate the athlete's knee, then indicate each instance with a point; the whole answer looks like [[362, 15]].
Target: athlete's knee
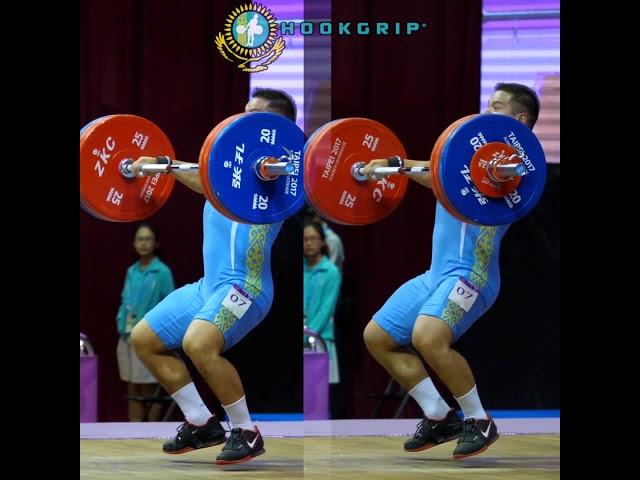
[[145, 341], [430, 345], [369, 336], [142, 338], [376, 339], [200, 344], [193, 346]]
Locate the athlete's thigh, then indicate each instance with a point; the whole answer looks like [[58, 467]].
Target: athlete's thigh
[[458, 302], [170, 318], [398, 315], [234, 311]]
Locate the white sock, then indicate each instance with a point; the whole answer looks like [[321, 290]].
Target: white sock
[[238, 414], [192, 406], [430, 401], [471, 406]]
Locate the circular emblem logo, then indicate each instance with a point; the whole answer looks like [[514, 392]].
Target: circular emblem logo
[[251, 30]]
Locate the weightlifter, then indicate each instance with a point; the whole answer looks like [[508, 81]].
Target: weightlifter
[[434, 309], [211, 315]]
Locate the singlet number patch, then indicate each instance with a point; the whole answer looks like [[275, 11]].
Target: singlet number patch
[[237, 301], [464, 294]]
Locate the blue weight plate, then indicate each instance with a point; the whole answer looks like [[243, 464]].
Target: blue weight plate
[[456, 179], [231, 168]]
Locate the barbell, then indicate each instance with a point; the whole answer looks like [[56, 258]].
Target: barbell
[[486, 169], [249, 167]]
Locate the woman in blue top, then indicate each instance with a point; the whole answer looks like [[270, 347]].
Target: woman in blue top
[[147, 282], [321, 288]]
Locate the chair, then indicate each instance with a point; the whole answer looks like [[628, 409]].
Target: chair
[[159, 396], [85, 346], [391, 393], [312, 341], [394, 391]]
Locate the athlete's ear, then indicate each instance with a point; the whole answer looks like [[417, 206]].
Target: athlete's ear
[[522, 117]]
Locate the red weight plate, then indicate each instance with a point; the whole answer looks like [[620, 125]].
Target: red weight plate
[[328, 178], [104, 190], [203, 167], [313, 140], [481, 169], [87, 209], [435, 163], [85, 131]]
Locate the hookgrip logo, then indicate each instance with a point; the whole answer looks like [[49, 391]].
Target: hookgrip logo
[[252, 34]]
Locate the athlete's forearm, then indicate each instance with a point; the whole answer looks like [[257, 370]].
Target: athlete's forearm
[[190, 178], [423, 179]]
